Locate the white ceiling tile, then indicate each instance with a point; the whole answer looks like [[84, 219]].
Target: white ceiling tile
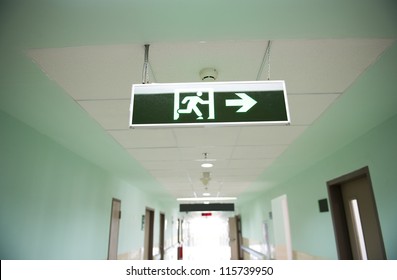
[[174, 164], [213, 171], [218, 164], [250, 163], [155, 153], [238, 172], [182, 192], [306, 108], [213, 152], [161, 164], [99, 78], [228, 57], [227, 193], [111, 114], [93, 72], [233, 189], [144, 138], [256, 152], [232, 192], [178, 175], [214, 136], [235, 186], [195, 166], [177, 185], [323, 66], [269, 135], [191, 166], [238, 179]]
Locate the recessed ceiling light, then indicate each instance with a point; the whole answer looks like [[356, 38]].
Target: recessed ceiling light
[[206, 194], [206, 162]]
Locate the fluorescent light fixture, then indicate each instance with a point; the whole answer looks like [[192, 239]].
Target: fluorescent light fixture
[[207, 165], [206, 198]]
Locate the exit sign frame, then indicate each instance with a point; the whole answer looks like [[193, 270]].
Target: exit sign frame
[[209, 104]]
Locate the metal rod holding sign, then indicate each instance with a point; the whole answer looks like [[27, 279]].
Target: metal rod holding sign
[[209, 104], [145, 72]]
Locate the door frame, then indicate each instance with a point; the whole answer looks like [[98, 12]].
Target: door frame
[[115, 216], [281, 228], [239, 237], [235, 237], [334, 188], [162, 235], [149, 234]]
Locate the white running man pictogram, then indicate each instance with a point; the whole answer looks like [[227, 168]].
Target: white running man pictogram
[[192, 102]]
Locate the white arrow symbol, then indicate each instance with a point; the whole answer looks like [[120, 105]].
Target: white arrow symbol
[[245, 102]]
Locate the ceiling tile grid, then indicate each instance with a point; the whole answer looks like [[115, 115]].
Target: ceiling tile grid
[[100, 78]]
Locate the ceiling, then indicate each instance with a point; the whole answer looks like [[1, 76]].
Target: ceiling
[[94, 52], [316, 72]]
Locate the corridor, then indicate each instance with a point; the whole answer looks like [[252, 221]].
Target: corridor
[[115, 113]]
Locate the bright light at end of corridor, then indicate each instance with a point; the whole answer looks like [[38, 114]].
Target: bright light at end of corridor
[[206, 198]]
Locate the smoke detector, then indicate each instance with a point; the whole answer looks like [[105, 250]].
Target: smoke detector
[[206, 162], [208, 74]]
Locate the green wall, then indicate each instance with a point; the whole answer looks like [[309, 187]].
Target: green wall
[[59, 172], [55, 204], [312, 231], [364, 134]]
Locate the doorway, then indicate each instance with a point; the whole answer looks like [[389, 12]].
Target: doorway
[[235, 238], [355, 217], [114, 229], [162, 230], [149, 230], [206, 236], [281, 227]]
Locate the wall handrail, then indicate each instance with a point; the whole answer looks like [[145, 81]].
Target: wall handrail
[[254, 253], [166, 251]]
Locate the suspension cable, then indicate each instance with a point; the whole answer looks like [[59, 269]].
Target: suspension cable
[[145, 72], [266, 58]]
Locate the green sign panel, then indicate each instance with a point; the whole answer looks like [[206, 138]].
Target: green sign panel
[[204, 104]]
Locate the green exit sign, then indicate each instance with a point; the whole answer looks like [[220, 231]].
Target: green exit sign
[[209, 103]]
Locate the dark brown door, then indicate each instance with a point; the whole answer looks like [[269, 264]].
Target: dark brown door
[[355, 216], [162, 230], [149, 230]]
